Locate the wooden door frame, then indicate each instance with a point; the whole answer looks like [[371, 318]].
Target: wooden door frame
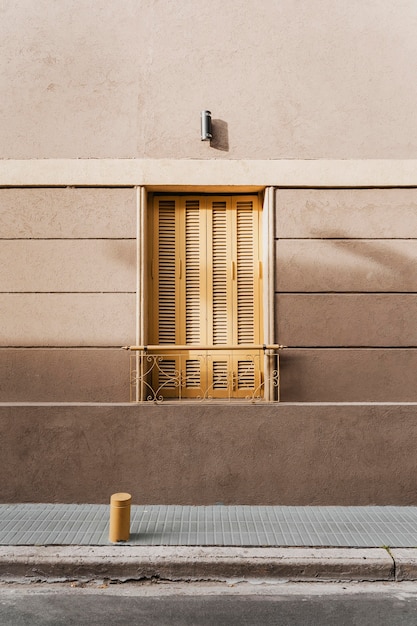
[[144, 199]]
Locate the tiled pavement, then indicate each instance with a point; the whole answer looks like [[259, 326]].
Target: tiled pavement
[[217, 525]]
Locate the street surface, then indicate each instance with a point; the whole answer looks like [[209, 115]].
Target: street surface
[[205, 604]]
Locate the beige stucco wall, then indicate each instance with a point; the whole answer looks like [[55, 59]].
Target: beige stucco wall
[[303, 94], [345, 285], [349, 374], [345, 294], [67, 293], [288, 79], [345, 306]]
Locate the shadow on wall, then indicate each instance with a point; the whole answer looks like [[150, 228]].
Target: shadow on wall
[[398, 265], [341, 264], [348, 310], [220, 139]]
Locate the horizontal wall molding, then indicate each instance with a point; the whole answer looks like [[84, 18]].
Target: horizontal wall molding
[[200, 174]]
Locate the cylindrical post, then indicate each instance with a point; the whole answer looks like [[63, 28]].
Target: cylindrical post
[[120, 517]]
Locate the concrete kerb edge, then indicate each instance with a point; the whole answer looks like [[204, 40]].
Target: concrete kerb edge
[[405, 560], [122, 563]]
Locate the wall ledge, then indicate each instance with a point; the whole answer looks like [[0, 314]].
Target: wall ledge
[[198, 174]]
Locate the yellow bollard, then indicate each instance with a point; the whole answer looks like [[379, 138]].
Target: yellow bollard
[[120, 517]]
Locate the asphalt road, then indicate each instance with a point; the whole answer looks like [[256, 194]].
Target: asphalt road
[[194, 604]]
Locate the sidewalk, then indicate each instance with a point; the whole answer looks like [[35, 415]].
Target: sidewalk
[[68, 541]]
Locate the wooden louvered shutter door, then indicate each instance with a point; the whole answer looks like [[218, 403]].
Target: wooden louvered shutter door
[[219, 257], [219, 294], [247, 284], [234, 293], [193, 284], [165, 295], [166, 262], [194, 251], [247, 295], [245, 275], [207, 291], [178, 250]]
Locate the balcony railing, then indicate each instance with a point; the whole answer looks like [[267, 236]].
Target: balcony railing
[[205, 373]]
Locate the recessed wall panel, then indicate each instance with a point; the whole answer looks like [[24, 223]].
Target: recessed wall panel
[[67, 319], [67, 265], [349, 375], [67, 213], [346, 213], [64, 375], [343, 320], [304, 265]]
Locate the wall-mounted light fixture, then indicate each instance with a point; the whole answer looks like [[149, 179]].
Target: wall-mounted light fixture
[[206, 133]]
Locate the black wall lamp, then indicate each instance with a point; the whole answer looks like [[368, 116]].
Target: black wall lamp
[[206, 133]]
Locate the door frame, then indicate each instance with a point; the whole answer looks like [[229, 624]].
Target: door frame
[[266, 196]]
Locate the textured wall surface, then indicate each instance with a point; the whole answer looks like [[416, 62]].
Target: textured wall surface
[[284, 80], [67, 293], [345, 300], [345, 294], [196, 454], [317, 79]]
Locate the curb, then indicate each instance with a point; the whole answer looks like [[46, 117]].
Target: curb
[[122, 563]]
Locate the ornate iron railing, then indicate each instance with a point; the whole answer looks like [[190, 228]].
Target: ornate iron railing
[[205, 373]]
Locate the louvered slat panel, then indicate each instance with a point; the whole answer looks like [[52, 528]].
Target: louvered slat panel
[[219, 243], [192, 374], [192, 272], [245, 375], [245, 273], [166, 272], [167, 374], [220, 374]]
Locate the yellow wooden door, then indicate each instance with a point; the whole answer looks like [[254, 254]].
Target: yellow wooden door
[[206, 278]]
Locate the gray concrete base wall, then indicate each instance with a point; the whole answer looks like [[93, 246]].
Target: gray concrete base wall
[[290, 454]]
